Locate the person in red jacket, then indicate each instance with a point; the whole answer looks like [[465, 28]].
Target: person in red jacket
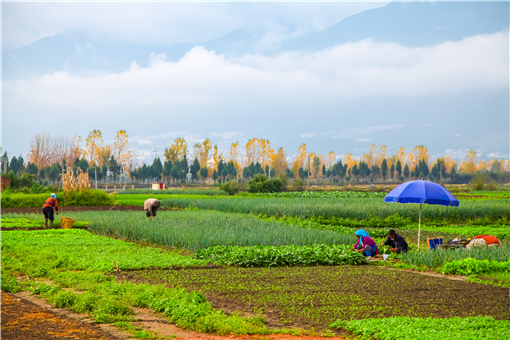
[[48, 207]]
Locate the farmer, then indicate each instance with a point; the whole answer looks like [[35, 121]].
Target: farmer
[[396, 242], [151, 206], [47, 210], [365, 244]]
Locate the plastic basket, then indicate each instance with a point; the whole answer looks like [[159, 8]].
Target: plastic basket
[[433, 242], [67, 223]]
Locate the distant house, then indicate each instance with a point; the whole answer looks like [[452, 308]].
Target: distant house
[[158, 186]]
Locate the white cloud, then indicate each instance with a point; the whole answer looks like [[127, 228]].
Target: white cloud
[[362, 140], [168, 22], [346, 72], [427, 125], [226, 135]]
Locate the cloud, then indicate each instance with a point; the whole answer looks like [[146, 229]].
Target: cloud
[[168, 22], [342, 73], [352, 132], [226, 135], [427, 125]]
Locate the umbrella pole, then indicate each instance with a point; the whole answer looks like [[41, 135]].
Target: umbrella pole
[[419, 225]]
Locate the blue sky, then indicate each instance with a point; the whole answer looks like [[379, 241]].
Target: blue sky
[[336, 76]]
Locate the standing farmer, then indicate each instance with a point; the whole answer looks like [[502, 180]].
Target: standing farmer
[[151, 206], [47, 210]]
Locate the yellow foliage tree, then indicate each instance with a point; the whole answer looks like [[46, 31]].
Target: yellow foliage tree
[[201, 151], [300, 160], [421, 153], [46, 150], [121, 150], [468, 166], [178, 150], [93, 143], [279, 163], [104, 155], [331, 159]]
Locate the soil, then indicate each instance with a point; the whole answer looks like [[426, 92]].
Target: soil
[[22, 319], [309, 297], [26, 316], [69, 209]]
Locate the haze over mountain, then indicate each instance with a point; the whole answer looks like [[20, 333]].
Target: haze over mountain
[[283, 74]]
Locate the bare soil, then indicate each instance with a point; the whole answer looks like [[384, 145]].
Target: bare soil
[[69, 209], [22, 319]]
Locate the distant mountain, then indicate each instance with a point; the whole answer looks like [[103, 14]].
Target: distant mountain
[[410, 24]]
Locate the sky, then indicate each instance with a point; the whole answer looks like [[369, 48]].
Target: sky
[[325, 74]]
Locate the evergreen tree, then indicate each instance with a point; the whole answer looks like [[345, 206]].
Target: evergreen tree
[[195, 168], [215, 175], [406, 171], [204, 172], [323, 170], [167, 169], [157, 168], [392, 170], [399, 168], [384, 169], [32, 169]]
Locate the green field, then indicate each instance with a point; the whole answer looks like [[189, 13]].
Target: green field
[[282, 261], [347, 208]]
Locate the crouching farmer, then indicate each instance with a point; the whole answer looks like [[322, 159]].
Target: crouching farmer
[[151, 206], [396, 242], [365, 244], [48, 206]]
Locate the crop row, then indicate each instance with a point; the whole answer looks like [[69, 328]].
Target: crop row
[[472, 266], [407, 328], [82, 198], [35, 223], [347, 208], [439, 258], [319, 194], [193, 230], [290, 255]]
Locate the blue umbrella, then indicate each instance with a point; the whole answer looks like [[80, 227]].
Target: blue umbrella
[[421, 192]]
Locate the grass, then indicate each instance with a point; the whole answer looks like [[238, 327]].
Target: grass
[[193, 230], [347, 208]]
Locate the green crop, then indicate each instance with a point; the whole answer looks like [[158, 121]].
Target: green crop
[[290, 255], [472, 266], [406, 328], [81, 198], [318, 194], [79, 249], [193, 230], [139, 199], [351, 208], [439, 258], [34, 223]]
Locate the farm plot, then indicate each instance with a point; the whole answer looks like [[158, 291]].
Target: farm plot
[[318, 296], [491, 210], [193, 230]]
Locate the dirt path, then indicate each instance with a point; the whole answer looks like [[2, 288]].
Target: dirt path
[[38, 210], [22, 319]]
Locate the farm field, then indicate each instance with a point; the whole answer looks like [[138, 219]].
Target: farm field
[[318, 296], [279, 263]]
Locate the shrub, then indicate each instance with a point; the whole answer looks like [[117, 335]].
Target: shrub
[[231, 187], [260, 183]]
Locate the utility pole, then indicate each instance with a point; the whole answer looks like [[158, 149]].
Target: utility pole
[[441, 172]]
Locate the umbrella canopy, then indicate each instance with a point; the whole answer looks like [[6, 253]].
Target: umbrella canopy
[[421, 192]]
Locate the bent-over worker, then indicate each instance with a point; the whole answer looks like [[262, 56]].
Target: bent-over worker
[[396, 242], [151, 206], [365, 244], [48, 206]]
